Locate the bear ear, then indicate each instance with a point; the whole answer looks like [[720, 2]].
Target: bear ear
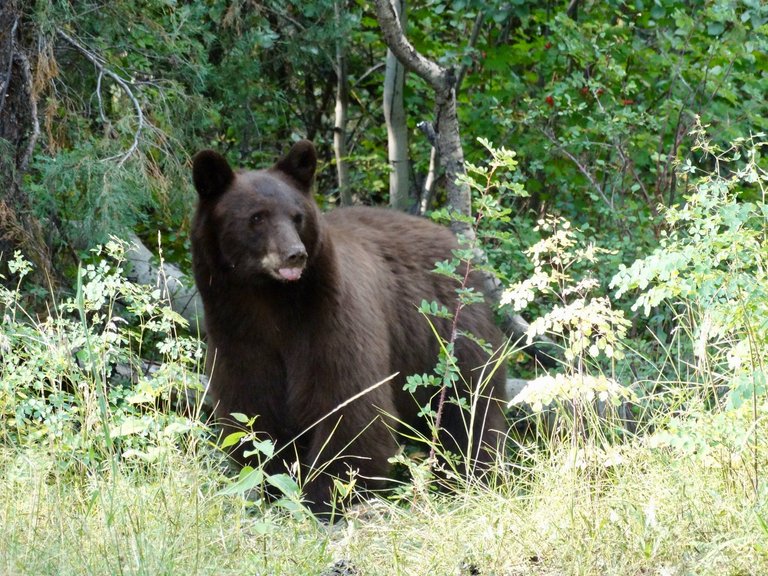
[[300, 163], [211, 174]]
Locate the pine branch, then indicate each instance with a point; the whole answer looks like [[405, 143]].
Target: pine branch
[[97, 61]]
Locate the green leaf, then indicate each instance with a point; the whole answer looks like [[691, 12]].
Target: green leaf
[[264, 447], [232, 439], [715, 28], [285, 484], [242, 418], [248, 479], [129, 426]]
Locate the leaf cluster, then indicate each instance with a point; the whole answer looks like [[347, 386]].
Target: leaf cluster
[[74, 380]]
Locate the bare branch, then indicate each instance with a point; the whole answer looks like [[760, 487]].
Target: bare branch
[[626, 162], [394, 36], [102, 115], [583, 169], [364, 75], [98, 62], [476, 27], [573, 9]]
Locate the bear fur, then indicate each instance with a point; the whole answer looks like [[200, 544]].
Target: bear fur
[[305, 310]]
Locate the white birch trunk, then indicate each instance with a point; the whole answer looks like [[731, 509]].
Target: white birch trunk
[[342, 102], [397, 130]]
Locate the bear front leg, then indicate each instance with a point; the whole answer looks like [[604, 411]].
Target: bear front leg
[[342, 448]]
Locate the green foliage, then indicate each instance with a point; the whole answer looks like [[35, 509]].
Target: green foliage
[[710, 269], [89, 200], [598, 102], [252, 483], [606, 99], [587, 324], [73, 381], [713, 252]]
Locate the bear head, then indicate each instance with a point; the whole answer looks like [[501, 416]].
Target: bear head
[[258, 225]]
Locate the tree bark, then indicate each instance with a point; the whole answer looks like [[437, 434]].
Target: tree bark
[[448, 143], [19, 131], [342, 103], [428, 190], [442, 80], [397, 130]]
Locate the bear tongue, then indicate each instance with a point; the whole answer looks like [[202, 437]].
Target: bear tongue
[[290, 274]]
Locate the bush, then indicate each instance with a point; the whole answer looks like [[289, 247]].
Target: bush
[[74, 381]]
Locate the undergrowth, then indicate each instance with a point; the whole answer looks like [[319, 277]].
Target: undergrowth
[[105, 470]]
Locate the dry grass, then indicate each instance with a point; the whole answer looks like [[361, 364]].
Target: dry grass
[[635, 510]]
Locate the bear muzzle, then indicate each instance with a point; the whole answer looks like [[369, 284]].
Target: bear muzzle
[[287, 267]]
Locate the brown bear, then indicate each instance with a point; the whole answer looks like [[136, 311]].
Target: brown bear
[[305, 310]]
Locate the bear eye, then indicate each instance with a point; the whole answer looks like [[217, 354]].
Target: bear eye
[[298, 219], [258, 217]]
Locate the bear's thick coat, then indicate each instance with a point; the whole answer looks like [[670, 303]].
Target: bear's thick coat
[[305, 310]]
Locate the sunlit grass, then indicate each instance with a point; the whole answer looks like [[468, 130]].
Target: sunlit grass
[[169, 521], [631, 509]]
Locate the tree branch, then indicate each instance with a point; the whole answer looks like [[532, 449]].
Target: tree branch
[[583, 169], [573, 10], [476, 27], [98, 62], [394, 36]]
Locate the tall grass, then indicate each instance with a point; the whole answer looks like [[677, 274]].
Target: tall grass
[[635, 511]]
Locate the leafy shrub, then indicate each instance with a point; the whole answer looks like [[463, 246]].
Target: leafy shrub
[[74, 381], [709, 267], [710, 270], [592, 333]]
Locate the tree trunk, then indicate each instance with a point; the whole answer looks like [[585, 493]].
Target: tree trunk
[[19, 130], [429, 130], [442, 80], [397, 129], [342, 102], [428, 190], [448, 143]]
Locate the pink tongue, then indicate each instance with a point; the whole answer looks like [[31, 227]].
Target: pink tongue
[[290, 273]]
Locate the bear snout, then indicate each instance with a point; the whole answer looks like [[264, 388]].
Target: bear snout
[[293, 264], [297, 257]]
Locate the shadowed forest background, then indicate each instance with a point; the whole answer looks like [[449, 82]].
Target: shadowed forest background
[[622, 140], [106, 102]]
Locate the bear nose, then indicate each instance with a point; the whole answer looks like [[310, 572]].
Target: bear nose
[[297, 256]]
